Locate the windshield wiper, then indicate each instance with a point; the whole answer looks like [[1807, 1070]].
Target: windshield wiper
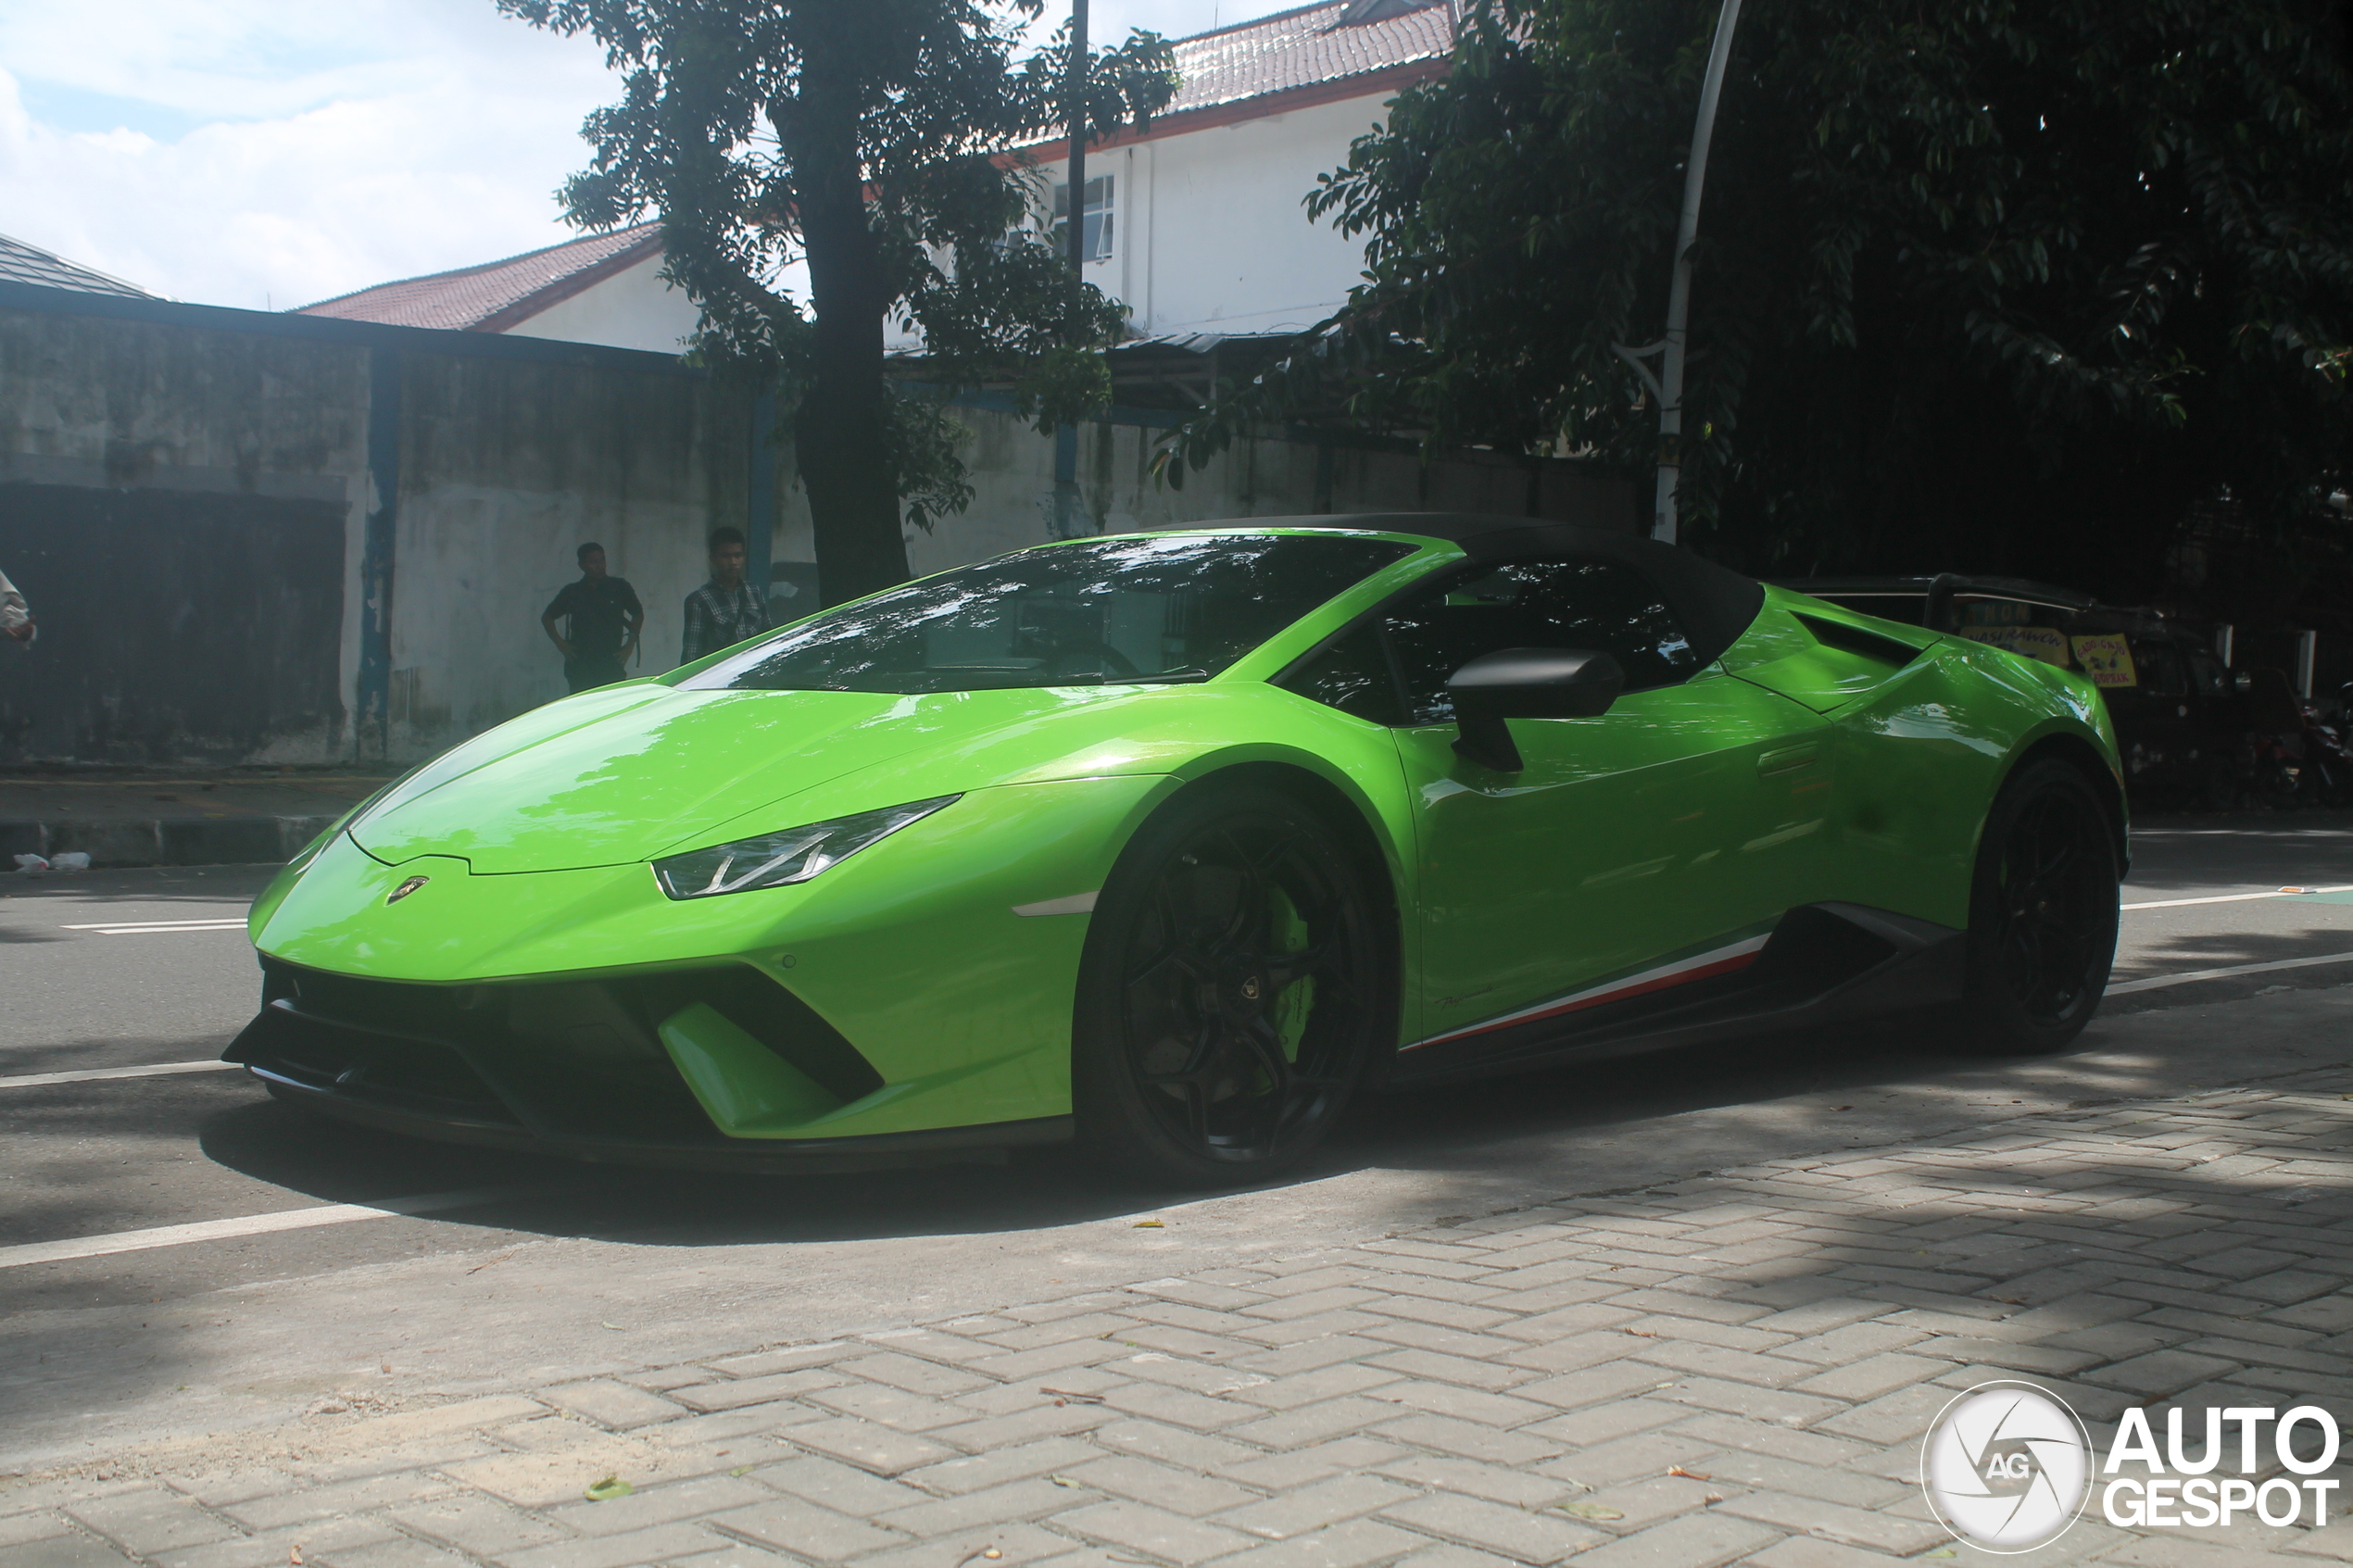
[[1170, 676]]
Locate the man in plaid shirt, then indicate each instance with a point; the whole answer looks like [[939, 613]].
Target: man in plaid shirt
[[726, 609]]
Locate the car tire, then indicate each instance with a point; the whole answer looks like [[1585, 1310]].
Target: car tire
[[2043, 913], [1236, 983]]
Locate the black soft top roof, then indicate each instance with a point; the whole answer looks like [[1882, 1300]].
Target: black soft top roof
[[1714, 604]]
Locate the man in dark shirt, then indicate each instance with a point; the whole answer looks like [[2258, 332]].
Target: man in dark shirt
[[726, 609], [602, 618]]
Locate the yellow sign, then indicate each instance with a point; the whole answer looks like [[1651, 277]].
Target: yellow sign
[[2046, 642], [2108, 659]]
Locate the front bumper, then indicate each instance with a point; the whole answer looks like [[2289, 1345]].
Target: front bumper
[[582, 1011], [582, 1069]]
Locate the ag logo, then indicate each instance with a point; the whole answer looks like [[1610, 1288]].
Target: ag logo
[[2006, 1466], [406, 888]]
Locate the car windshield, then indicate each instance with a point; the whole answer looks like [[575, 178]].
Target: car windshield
[[1098, 612]]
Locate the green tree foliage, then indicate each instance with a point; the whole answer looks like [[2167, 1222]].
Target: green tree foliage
[[881, 141], [1982, 284]]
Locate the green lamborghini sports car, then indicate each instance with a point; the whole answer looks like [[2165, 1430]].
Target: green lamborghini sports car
[[1170, 842]]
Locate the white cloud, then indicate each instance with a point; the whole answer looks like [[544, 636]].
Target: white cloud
[[254, 152], [312, 167]]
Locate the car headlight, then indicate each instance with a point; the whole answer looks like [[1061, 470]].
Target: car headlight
[[776, 859]]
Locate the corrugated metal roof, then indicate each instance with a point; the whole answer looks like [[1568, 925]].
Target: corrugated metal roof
[[497, 293], [21, 263], [1307, 48]]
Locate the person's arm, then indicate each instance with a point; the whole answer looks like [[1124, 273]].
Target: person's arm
[[690, 646], [636, 623], [555, 612]]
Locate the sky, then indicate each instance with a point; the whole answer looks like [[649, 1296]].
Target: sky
[[268, 154]]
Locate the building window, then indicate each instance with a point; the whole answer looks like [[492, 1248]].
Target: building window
[[1095, 239]]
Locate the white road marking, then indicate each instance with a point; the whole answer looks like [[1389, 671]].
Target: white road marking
[[2236, 897], [251, 1224], [153, 1070], [150, 927], [2158, 983]]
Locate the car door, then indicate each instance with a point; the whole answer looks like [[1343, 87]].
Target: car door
[[1649, 847]]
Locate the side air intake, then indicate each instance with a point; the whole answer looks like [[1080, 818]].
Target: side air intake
[[1855, 640]]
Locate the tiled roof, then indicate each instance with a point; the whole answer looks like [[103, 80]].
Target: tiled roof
[[21, 263], [497, 295], [1307, 47]]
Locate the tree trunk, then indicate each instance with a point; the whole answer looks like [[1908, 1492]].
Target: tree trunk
[[853, 499]]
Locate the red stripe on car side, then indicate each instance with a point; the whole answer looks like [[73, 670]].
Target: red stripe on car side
[[1633, 985]]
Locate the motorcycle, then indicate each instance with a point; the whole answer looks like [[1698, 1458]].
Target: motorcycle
[[2326, 778]]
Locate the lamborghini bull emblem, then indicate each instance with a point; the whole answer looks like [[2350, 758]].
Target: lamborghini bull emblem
[[406, 888]]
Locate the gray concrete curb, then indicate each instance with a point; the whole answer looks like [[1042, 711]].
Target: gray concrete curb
[[165, 841]]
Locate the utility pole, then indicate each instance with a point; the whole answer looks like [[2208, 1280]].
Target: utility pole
[[1667, 385], [1067, 510], [1077, 112]]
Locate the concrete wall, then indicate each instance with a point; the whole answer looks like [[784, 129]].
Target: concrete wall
[[277, 538], [256, 538], [506, 469], [102, 424], [1012, 478]]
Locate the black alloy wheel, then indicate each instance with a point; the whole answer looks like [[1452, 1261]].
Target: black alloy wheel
[[2043, 913], [1236, 983]]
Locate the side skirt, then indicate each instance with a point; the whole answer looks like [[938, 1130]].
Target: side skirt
[[1822, 963]]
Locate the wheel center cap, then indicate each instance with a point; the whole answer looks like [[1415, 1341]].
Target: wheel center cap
[[1239, 992]]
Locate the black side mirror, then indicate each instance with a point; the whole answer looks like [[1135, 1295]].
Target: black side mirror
[[1527, 683]]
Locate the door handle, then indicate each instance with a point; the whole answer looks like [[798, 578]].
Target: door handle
[[1788, 758]]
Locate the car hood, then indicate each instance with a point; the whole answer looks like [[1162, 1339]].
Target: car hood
[[629, 773]]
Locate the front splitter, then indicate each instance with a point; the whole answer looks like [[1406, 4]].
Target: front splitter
[[874, 1151]]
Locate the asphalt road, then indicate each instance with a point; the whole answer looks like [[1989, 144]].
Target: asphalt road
[[541, 1269]]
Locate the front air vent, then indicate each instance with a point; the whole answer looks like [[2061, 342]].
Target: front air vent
[[769, 1013], [1855, 640], [575, 1057]]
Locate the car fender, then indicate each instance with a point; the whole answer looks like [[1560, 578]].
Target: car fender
[[1921, 761]]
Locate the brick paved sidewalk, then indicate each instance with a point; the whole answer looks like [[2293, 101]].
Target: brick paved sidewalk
[[1737, 1367]]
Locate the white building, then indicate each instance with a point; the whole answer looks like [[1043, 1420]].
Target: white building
[[1195, 223]]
